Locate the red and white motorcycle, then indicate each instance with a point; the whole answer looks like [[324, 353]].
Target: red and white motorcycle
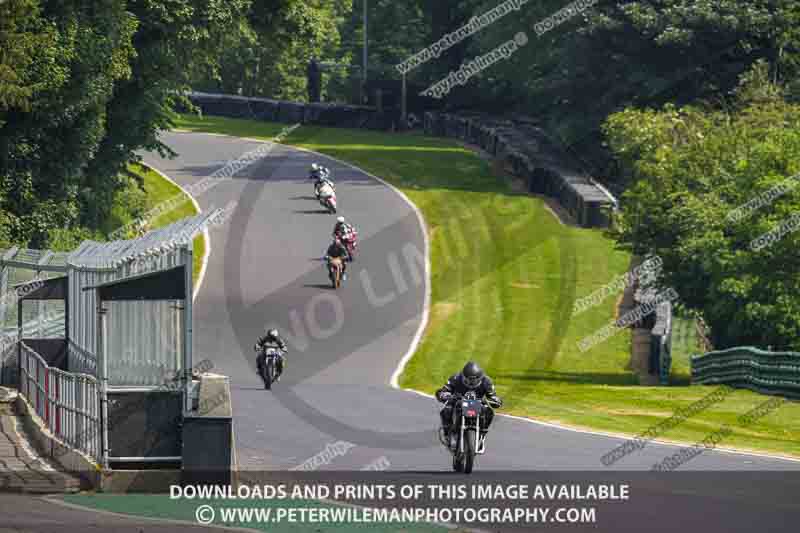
[[350, 241]]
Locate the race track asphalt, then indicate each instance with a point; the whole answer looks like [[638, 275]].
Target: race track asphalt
[[264, 269]]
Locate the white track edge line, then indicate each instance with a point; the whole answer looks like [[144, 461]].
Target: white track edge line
[[624, 437], [206, 236], [394, 379], [393, 382]]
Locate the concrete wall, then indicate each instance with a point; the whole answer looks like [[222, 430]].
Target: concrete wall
[[49, 446]]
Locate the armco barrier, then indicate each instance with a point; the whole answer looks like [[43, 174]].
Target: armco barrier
[[522, 147], [528, 153], [776, 373], [318, 114]]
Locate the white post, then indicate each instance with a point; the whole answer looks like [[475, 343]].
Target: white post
[[187, 325], [102, 363]]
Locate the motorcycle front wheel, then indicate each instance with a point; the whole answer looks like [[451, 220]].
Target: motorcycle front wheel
[[269, 373], [458, 458], [469, 450]]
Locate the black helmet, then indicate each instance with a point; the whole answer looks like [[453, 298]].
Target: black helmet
[[471, 375], [272, 333]]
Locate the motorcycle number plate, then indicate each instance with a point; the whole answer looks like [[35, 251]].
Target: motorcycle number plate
[[471, 413]]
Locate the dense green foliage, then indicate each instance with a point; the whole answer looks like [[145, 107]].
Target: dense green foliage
[[690, 169], [83, 84], [267, 53], [644, 52]]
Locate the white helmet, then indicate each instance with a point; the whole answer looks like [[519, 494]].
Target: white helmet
[[314, 167], [340, 220]]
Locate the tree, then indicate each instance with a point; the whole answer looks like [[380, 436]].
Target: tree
[[641, 52], [68, 57], [691, 169], [84, 84], [267, 53], [175, 39]]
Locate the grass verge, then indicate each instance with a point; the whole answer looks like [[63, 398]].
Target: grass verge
[[158, 190], [505, 274]]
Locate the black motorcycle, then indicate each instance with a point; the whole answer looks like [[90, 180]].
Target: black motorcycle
[[269, 370], [335, 271], [464, 441]]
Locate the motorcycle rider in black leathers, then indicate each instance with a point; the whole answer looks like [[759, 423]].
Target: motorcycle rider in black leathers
[[270, 340], [471, 378], [338, 249], [344, 231]]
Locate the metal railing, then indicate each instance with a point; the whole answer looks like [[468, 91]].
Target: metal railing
[[748, 367], [53, 325], [67, 403], [8, 362], [80, 360]]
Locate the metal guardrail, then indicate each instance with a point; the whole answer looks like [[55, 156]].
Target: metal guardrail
[[776, 373], [79, 360], [69, 404], [8, 363], [52, 326]]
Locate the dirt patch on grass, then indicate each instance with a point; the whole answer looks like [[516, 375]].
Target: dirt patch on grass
[[639, 412], [523, 285], [442, 311]]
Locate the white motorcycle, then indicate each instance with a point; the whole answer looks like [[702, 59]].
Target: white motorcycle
[[327, 197]]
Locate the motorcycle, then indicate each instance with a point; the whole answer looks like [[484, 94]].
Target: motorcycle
[[464, 441], [327, 198], [269, 370], [350, 244], [335, 270]]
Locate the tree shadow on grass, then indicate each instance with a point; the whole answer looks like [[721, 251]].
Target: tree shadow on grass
[[585, 378]]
